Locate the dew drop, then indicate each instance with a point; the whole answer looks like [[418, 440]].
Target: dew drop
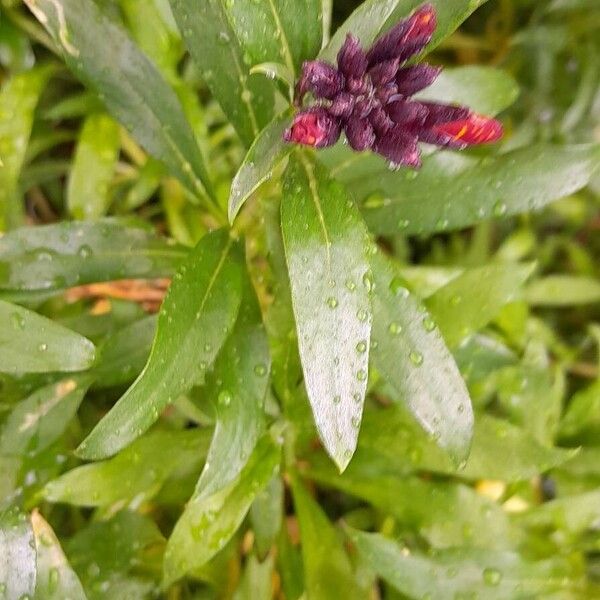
[[355, 422], [85, 251], [337, 399], [361, 347], [416, 358], [403, 223], [362, 315], [332, 302], [428, 324], [361, 375], [492, 577], [500, 209], [43, 347], [260, 370], [350, 285], [224, 398], [395, 328]]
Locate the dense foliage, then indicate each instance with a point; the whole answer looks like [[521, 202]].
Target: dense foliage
[[232, 367]]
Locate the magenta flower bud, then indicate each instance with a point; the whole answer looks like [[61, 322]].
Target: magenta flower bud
[[360, 134], [399, 147], [384, 72], [411, 80], [380, 121], [351, 59], [314, 127], [342, 105], [386, 93], [320, 78], [405, 111]]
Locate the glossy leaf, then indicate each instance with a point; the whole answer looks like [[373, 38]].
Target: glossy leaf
[[135, 93], [563, 290], [514, 183], [40, 419], [473, 299], [196, 318], [257, 580], [209, 521], [461, 571], [327, 567], [326, 247], [56, 580], [284, 31], [17, 555], [237, 387], [213, 43], [18, 99], [410, 352], [54, 257], [374, 17], [88, 194], [266, 152], [266, 514], [136, 474], [30, 343]]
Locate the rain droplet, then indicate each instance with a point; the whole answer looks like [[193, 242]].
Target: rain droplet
[[260, 370], [361, 347], [403, 223], [85, 251], [500, 209], [337, 399], [350, 285], [332, 302], [224, 398], [397, 288], [355, 422], [428, 324], [416, 358], [361, 375], [43, 347], [456, 300], [395, 328], [362, 315], [17, 320], [492, 577], [368, 281]]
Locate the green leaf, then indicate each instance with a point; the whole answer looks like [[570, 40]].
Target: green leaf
[[483, 89], [135, 475], [327, 568], [326, 246], [30, 343], [374, 17], [209, 521], [583, 412], [56, 580], [428, 200], [17, 555], [257, 580], [103, 56], [196, 318], [563, 290], [40, 419], [473, 299], [410, 352], [266, 514], [489, 575], [237, 386], [54, 257], [499, 451], [284, 31], [207, 30], [266, 152], [18, 99], [96, 155]]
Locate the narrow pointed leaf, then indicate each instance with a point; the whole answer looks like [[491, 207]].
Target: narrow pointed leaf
[[246, 99], [374, 17], [17, 555], [563, 290], [88, 194], [54, 257], [410, 352], [56, 579], [326, 247], [266, 152], [18, 99], [30, 343], [196, 318], [104, 57], [237, 387], [209, 522]]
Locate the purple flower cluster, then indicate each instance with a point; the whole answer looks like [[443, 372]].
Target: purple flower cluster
[[368, 97]]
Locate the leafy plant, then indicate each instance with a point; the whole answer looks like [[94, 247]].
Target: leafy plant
[[233, 366]]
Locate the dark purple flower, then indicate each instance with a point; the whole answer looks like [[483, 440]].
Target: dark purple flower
[[368, 97]]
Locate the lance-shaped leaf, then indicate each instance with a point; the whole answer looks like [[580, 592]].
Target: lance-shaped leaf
[[285, 31], [410, 352], [104, 57], [40, 419], [266, 152], [374, 17], [237, 386], [246, 99], [563, 290], [18, 99], [88, 194], [54, 257], [17, 555], [56, 580], [196, 318], [326, 246], [209, 522], [514, 183], [30, 343], [327, 567]]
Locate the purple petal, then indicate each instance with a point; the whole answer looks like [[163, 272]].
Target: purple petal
[[399, 147], [342, 105], [444, 113], [360, 134], [313, 127], [320, 78], [385, 93], [363, 106], [405, 111], [406, 38], [384, 72], [352, 59], [380, 120], [411, 80]]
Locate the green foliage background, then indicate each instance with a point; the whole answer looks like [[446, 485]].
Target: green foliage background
[[419, 420]]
